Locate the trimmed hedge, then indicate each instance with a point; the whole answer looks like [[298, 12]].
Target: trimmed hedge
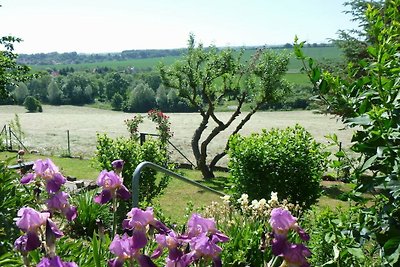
[[287, 161]]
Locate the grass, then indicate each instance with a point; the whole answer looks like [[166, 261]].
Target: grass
[[178, 196], [82, 169], [46, 132]]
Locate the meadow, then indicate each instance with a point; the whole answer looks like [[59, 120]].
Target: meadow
[[47, 132]]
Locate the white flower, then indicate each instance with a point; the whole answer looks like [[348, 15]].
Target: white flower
[[274, 196], [255, 204], [226, 199]]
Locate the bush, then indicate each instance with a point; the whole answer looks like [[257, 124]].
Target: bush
[[288, 161], [32, 104], [117, 101], [338, 240], [133, 153]]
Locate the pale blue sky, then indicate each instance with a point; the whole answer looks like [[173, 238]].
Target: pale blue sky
[[95, 26]]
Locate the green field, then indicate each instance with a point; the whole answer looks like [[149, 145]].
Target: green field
[[318, 53]]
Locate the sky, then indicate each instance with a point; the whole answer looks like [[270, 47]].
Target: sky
[[102, 26]]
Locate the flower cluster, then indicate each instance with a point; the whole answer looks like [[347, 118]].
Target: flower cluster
[[38, 227], [200, 242], [133, 125], [46, 171], [34, 224], [164, 126], [293, 254], [112, 187]]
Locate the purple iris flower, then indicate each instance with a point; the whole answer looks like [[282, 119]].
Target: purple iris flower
[[30, 221], [20, 244], [294, 254], [118, 165], [282, 221], [47, 171], [138, 219], [55, 262], [126, 248], [112, 187], [59, 202], [170, 241], [198, 225]]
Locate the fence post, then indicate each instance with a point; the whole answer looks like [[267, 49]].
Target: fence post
[[69, 146], [9, 131], [142, 138]]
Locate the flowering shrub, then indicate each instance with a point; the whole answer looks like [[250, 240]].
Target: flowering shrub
[[247, 225], [132, 153], [39, 228], [146, 240], [156, 116], [163, 124]]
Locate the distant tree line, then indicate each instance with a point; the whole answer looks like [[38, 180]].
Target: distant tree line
[[78, 58], [128, 92], [75, 58]]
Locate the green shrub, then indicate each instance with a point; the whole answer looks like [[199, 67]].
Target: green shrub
[[32, 104], [130, 150], [336, 238], [288, 161]]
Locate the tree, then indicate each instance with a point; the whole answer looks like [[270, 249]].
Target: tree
[[207, 77], [141, 99], [162, 99], [368, 99], [32, 104], [10, 71], [117, 101], [54, 93], [115, 83], [20, 93]]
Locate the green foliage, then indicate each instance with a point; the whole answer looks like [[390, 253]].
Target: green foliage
[[90, 215], [337, 239], [368, 99], [20, 93], [133, 153], [16, 127], [54, 93], [10, 71], [141, 99], [205, 78], [32, 104], [117, 101], [287, 161], [13, 196]]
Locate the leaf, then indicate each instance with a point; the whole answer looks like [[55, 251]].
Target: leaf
[[368, 163], [360, 120], [95, 247], [356, 252], [323, 87], [336, 252]]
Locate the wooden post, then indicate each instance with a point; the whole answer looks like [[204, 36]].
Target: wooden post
[[69, 145]]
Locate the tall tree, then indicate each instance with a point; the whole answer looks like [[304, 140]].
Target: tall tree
[[20, 93], [207, 77], [10, 71], [54, 93]]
